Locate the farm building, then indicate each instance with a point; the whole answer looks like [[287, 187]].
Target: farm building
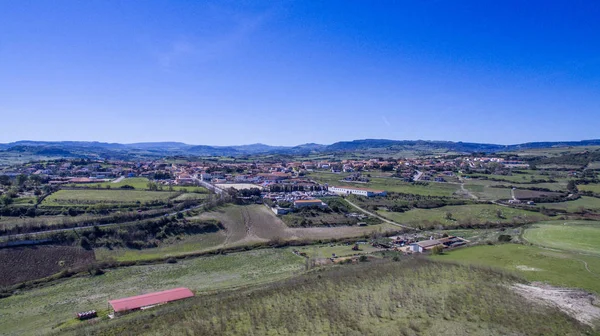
[[309, 203], [124, 305], [357, 191], [425, 245]]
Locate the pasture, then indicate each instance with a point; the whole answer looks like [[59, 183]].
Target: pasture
[[581, 204], [473, 214], [593, 187], [534, 263], [411, 297], [139, 183], [575, 236], [485, 190], [91, 196], [39, 310]]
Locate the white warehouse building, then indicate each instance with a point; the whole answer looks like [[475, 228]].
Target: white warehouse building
[[357, 191]]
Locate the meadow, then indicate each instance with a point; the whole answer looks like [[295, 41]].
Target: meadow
[[485, 190], [473, 214], [574, 236], [534, 263], [91, 196], [411, 297], [582, 203], [40, 310], [593, 187], [138, 183]]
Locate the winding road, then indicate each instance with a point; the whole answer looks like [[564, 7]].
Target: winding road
[[380, 217]]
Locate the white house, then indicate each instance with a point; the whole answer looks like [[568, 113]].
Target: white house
[[357, 191]]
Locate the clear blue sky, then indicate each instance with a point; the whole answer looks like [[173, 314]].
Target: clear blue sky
[[286, 73]]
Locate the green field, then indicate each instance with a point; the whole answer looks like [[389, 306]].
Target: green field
[[595, 188], [484, 190], [91, 196], [535, 263], [582, 203], [181, 245], [341, 250], [39, 310], [576, 236], [140, 183], [461, 214], [411, 297]]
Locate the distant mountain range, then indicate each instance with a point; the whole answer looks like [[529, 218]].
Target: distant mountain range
[[155, 149]]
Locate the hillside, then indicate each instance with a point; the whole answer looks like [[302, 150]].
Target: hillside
[[410, 297], [156, 149]]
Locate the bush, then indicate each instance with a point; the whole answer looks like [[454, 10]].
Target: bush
[[363, 258], [171, 261], [504, 238], [437, 250]]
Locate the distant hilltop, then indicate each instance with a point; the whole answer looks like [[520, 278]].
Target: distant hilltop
[[146, 149]]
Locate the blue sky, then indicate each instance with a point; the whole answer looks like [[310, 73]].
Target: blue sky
[[292, 72]]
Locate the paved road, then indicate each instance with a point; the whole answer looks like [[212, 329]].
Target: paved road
[[381, 218], [211, 187]]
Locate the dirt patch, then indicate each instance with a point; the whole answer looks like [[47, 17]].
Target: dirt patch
[[577, 303], [527, 268], [29, 263]]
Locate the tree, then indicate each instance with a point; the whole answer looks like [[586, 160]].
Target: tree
[[449, 215], [21, 179], [437, 250], [571, 186]]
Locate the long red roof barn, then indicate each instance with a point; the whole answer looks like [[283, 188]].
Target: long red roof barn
[[136, 302]]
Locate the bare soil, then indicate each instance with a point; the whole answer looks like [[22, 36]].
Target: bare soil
[[22, 264], [583, 306]]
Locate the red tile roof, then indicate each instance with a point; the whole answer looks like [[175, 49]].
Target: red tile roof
[[135, 302]]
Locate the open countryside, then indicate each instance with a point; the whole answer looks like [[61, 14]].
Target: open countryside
[[251, 168]]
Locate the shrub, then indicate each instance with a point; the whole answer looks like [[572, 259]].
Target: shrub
[[437, 250]]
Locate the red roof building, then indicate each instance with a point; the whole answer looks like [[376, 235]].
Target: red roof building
[[150, 299]]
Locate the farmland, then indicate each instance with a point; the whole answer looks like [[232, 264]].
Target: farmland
[[473, 214], [28, 263], [138, 183], [411, 297], [575, 236], [83, 197], [593, 187], [40, 309], [581, 204], [534, 263]]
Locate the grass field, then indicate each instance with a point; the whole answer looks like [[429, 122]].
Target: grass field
[[412, 297], [556, 267], [595, 188], [484, 190], [182, 245], [584, 202], [390, 185], [576, 236], [340, 250], [140, 183], [461, 214], [38, 310], [82, 197]]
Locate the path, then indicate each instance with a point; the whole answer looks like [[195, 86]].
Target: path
[[118, 180], [465, 190], [380, 217]]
